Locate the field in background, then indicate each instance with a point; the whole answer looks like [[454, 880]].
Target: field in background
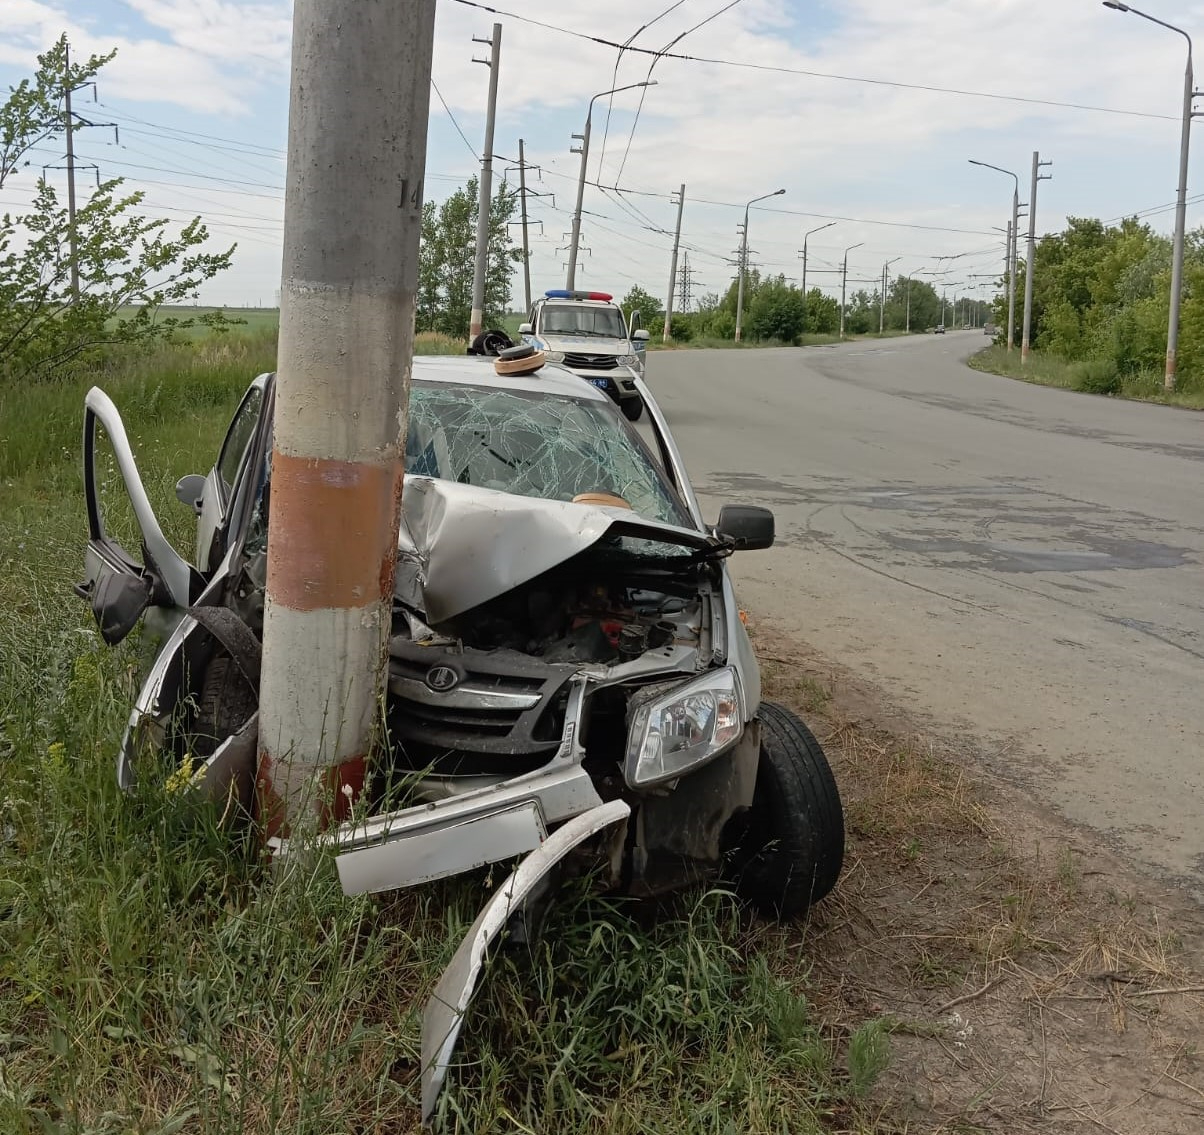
[[977, 968]]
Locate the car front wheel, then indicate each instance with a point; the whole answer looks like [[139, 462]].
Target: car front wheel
[[789, 847]]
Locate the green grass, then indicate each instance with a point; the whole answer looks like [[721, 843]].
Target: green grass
[[154, 979], [1089, 376]]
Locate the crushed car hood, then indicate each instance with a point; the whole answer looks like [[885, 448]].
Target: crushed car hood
[[468, 545]]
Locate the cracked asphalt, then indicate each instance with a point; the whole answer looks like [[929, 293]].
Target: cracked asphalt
[[1019, 568]]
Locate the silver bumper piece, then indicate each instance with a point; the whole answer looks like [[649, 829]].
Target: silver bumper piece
[[440, 852], [445, 1010]]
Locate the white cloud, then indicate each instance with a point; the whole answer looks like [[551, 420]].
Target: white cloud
[[840, 148]]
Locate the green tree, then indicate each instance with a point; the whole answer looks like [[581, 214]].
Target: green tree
[[823, 313], [33, 111], [776, 311], [912, 303], [652, 313], [446, 260], [129, 265]]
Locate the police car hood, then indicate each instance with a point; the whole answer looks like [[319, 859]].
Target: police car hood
[[461, 545], [585, 344]]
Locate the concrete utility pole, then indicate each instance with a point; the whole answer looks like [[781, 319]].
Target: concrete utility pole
[[485, 189], [1172, 332], [353, 214], [803, 253], [844, 275], [570, 281], [1030, 256], [69, 125], [882, 296], [681, 201], [744, 258], [522, 193]]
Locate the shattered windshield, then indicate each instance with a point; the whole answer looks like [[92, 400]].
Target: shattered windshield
[[578, 319], [533, 445]]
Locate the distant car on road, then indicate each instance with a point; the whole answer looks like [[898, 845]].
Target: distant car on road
[[989, 329], [940, 329]]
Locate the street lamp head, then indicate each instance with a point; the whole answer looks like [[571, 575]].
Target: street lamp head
[[777, 193], [1116, 5]]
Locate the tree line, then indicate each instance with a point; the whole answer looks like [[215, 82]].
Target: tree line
[[775, 310], [1101, 296]]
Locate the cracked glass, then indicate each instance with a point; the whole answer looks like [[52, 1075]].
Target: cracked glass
[[534, 445]]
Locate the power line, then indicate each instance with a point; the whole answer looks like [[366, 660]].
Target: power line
[[614, 78], [657, 58], [600, 40], [475, 155]]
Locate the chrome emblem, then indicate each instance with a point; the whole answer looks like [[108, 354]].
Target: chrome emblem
[[442, 678]]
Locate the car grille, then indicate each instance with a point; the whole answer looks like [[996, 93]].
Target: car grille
[[503, 703], [591, 362]]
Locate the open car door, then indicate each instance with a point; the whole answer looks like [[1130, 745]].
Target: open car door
[[120, 586]]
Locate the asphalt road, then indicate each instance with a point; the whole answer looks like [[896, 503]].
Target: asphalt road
[[1020, 568]]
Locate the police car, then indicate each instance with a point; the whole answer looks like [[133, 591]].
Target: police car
[[586, 332]]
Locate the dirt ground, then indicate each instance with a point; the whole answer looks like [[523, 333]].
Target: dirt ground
[[1030, 980]]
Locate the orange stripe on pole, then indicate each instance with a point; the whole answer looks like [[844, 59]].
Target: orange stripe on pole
[[324, 512]]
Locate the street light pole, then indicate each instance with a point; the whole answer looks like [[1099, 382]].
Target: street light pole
[[1172, 332], [1031, 255], [844, 275], [744, 258], [882, 297], [809, 232], [1011, 251], [575, 240]]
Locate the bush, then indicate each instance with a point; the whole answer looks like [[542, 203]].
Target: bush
[[1097, 376], [681, 328]]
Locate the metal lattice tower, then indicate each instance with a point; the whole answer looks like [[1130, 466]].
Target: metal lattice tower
[[685, 284]]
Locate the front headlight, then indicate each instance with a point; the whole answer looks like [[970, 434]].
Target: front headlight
[[682, 727], [554, 356], [629, 360]]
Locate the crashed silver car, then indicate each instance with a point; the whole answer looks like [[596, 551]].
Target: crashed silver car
[[570, 678]]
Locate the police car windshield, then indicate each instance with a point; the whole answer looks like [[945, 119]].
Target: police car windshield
[[582, 319]]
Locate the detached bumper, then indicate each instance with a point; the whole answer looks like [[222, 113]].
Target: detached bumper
[[432, 841]]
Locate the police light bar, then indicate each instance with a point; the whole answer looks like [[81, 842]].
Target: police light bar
[[565, 294]]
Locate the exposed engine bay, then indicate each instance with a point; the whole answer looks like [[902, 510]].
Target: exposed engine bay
[[485, 694]]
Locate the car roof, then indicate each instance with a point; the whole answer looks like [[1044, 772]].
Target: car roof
[[477, 370]]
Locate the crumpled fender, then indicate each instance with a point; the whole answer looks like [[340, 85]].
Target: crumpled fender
[[444, 1013]]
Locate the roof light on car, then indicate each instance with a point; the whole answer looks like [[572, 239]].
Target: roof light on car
[[566, 294]]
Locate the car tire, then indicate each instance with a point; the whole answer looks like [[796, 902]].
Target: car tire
[[633, 408], [789, 849], [491, 342], [224, 705]]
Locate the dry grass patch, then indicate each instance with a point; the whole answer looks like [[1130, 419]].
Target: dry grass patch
[[1027, 981]]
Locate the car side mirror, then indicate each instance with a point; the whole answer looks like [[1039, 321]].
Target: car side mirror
[[642, 335], [749, 526], [189, 490], [525, 329]]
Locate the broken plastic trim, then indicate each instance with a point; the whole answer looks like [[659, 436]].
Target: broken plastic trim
[[444, 1013]]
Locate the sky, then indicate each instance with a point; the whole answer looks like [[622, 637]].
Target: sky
[[867, 113]]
